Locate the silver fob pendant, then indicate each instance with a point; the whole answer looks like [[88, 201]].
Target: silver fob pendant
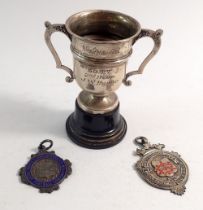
[[160, 168]]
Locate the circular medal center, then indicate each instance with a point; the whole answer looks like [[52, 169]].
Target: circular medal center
[[45, 170]]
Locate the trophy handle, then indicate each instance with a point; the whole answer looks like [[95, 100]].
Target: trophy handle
[[155, 35], [50, 29]]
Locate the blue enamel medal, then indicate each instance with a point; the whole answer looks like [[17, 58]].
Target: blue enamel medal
[[45, 170]]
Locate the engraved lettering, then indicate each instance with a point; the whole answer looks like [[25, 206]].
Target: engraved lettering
[[100, 52], [103, 78]]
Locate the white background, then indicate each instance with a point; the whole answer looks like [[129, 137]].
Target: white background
[[164, 104]]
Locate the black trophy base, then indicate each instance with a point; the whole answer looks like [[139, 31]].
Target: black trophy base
[[96, 131]]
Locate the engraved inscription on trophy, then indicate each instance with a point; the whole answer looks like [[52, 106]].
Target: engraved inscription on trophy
[[100, 52], [99, 79]]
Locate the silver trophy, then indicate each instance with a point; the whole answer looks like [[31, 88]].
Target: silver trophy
[[101, 43]]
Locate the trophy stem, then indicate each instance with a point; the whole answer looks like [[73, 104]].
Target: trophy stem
[[97, 104], [96, 131]]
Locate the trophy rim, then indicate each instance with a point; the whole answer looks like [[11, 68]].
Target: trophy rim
[[79, 14]]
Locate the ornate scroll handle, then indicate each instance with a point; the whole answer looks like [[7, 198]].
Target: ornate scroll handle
[[155, 35], [50, 29]]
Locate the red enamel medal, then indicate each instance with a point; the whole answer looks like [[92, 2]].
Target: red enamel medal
[[160, 168]]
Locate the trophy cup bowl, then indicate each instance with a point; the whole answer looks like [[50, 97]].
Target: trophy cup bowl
[[101, 43]]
